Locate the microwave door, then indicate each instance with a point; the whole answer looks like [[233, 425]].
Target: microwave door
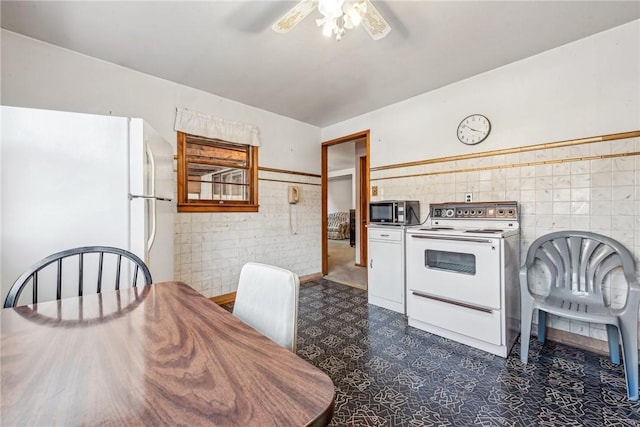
[[381, 212]]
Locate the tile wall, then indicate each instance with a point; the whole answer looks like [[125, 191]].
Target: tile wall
[[587, 186], [211, 248]]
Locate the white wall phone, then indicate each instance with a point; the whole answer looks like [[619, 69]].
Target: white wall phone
[[294, 194]]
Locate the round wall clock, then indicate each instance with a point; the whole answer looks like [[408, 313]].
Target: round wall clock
[[474, 129]]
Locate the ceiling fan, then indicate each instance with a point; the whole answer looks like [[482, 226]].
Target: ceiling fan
[[337, 16]]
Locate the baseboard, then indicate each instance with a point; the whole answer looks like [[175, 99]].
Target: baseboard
[[231, 297], [310, 278], [224, 299], [586, 343]]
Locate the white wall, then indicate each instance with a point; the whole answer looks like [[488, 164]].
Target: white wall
[[587, 88], [340, 193], [40, 75], [210, 248]]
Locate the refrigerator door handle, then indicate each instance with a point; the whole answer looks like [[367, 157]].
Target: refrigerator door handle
[[149, 196], [152, 189]]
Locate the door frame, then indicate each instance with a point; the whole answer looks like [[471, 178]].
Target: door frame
[[363, 165], [364, 195]]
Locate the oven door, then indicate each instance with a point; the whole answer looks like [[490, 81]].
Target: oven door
[[455, 269]]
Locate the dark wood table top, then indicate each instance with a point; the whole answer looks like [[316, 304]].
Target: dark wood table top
[[158, 355]]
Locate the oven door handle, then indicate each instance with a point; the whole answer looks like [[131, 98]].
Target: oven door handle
[[448, 301], [455, 239]]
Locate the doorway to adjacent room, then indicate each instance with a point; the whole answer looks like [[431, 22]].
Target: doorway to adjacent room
[[345, 183]]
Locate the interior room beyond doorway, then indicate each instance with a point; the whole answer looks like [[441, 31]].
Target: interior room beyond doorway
[[342, 268], [343, 213]]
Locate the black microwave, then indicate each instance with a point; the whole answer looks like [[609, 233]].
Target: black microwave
[[396, 212]]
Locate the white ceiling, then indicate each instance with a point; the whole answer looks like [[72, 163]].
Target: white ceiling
[[228, 48]]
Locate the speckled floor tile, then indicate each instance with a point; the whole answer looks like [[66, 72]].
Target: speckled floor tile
[[389, 374]]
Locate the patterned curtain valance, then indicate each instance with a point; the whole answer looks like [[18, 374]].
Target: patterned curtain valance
[[200, 124]]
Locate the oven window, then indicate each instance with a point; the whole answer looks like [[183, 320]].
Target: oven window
[[456, 262]]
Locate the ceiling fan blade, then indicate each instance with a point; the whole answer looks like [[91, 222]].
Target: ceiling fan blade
[[374, 23], [294, 16]]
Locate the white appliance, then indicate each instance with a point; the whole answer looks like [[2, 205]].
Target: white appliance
[[462, 274], [71, 179], [386, 269]]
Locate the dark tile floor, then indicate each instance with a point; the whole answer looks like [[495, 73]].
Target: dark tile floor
[[389, 374]]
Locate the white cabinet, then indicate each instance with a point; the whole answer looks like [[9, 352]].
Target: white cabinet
[[386, 280]]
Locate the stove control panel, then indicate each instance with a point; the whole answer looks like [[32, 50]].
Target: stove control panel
[[478, 210]]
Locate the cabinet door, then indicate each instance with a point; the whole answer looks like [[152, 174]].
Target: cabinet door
[[386, 276]]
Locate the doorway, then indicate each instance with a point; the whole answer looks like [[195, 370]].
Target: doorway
[[345, 164]]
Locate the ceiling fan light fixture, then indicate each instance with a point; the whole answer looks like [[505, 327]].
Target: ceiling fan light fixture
[[328, 27], [338, 15], [352, 21], [330, 8], [355, 14]]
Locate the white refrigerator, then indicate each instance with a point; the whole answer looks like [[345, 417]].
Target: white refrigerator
[[71, 179]]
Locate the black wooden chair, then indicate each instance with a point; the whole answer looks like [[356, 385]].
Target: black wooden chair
[[86, 269]]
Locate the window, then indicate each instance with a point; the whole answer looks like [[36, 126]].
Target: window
[[216, 175]]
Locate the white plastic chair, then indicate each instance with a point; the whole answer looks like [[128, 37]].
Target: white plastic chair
[[267, 300], [578, 263]]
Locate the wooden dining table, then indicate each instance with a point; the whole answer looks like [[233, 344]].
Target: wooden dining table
[[154, 355]]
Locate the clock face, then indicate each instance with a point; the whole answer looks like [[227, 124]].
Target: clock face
[[474, 129]]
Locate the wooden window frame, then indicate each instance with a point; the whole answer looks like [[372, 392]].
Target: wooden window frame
[[197, 205]]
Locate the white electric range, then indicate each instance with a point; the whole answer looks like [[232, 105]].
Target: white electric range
[[462, 274]]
